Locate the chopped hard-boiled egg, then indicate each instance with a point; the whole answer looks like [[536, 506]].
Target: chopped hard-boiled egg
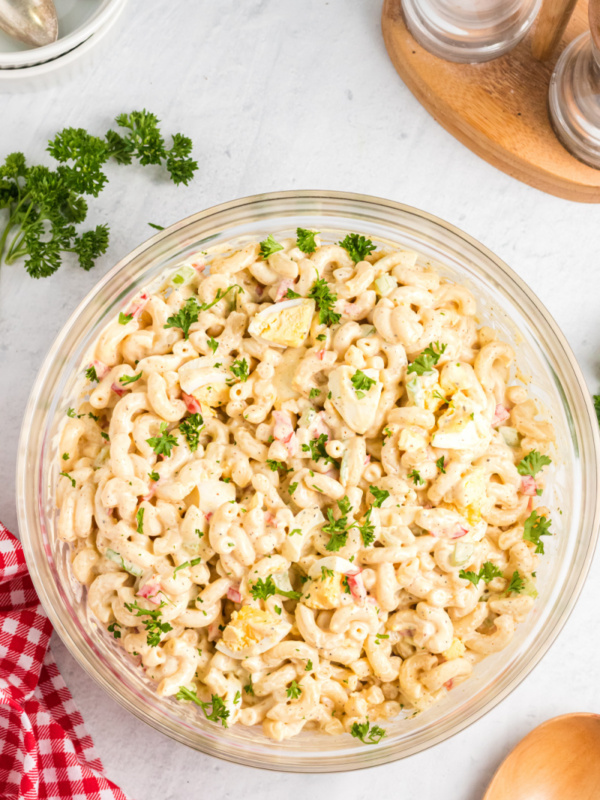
[[324, 592], [205, 381], [470, 496], [424, 391], [251, 632], [456, 650], [355, 394], [284, 324], [460, 427]]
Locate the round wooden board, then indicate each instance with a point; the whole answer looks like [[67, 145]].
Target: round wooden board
[[497, 109]]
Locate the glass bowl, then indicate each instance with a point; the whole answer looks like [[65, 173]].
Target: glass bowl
[[544, 359]]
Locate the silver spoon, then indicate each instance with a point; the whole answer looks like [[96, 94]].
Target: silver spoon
[[31, 21]]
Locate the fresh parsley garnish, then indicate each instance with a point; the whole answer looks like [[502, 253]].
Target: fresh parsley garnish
[[240, 369], [112, 628], [367, 733], [338, 528], [154, 627], [218, 710], [194, 562], [487, 573], [440, 464], [379, 494], [293, 691], [269, 246], [191, 428], [305, 240], [66, 475], [362, 383], [156, 227], [189, 312], [309, 666], [416, 477], [533, 463], [314, 393], [325, 300], [292, 488], [71, 413], [367, 530], [154, 476], [125, 318], [316, 448], [213, 344], [126, 380], [91, 375], [185, 317], [263, 589], [358, 247], [163, 444], [65, 456], [274, 465], [517, 584], [535, 527], [596, 399], [428, 358], [291, 294], [249, 688], [45, 205]]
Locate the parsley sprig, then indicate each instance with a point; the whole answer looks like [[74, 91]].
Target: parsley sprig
[[218, 710], [163, 444], [367, 733], [189, 312], [316, 448], [263, 589], [362, 383], [269, 246], [46, 205], [428, 358], [305, 240], [325, 300], [191, 428], [535, 527], [380, 495], [533, 463], [358, 247], [487, 573], [154, 627]]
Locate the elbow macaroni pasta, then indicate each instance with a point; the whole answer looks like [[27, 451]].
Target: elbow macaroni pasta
[[295, 486]]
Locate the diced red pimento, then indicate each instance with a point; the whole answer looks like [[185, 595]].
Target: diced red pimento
[[449, 684], [320, 354], [356, 586], [137, 306], [501, 414], [119, 390], [458, 532], [191, 404], [528, 485], [283, 287], [151, 589], [283, 431], [233, 594]]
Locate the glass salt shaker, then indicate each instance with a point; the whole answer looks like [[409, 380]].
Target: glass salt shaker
[[469, 31], [574, 96]]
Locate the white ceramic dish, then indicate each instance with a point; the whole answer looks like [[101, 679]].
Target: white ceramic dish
[[78, 20], [66, 66]]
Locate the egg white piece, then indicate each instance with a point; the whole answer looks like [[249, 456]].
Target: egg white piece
[[284, 324], [359, 413]]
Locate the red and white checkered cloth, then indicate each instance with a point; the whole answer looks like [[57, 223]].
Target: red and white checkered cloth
[[45, 750]]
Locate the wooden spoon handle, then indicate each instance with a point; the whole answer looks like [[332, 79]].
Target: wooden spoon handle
[[550, 26]]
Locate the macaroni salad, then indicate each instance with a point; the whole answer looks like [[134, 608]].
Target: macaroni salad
[[300, 488]]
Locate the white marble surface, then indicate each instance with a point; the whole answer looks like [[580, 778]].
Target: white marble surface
[[284, 94]]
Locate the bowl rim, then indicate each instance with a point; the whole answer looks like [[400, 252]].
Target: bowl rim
[[63, 46], [545, 640]]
